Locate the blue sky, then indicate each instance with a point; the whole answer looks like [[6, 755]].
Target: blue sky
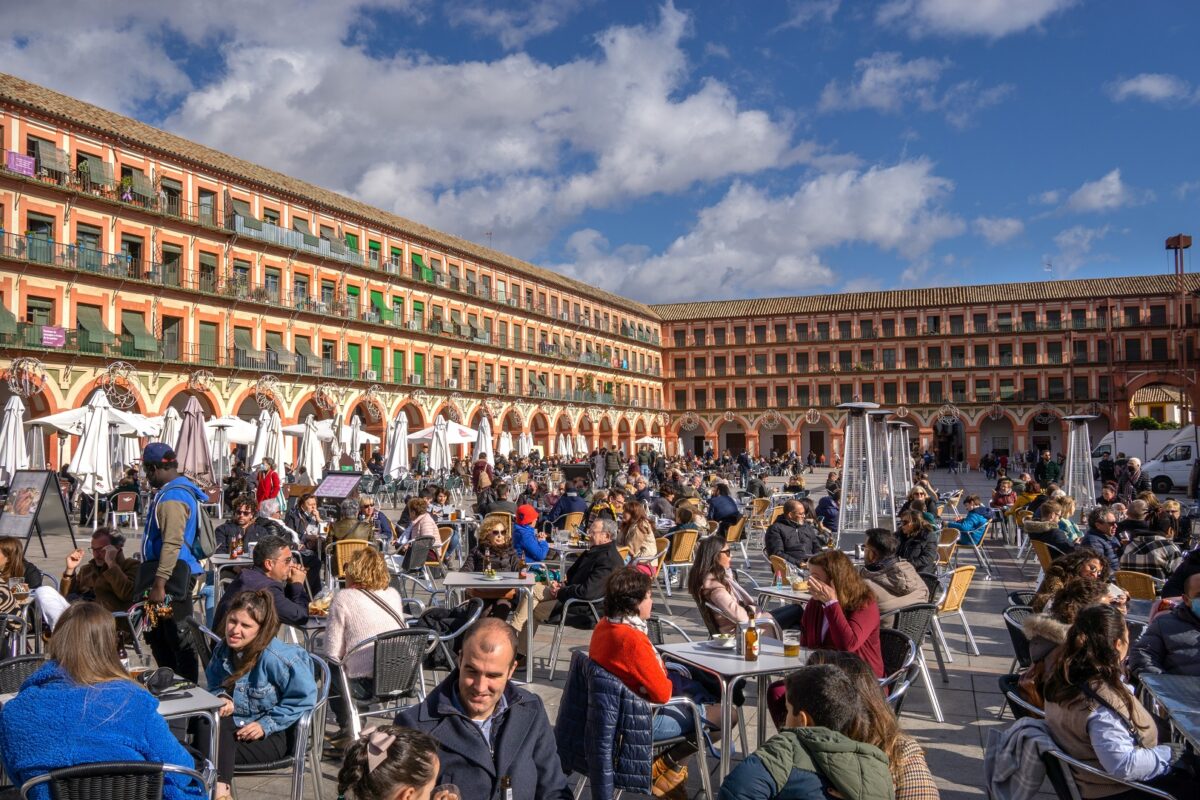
[[688, 150]]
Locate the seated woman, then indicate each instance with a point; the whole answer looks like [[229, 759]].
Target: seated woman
[[13, 564], [390, 763], [1066, 522], [637, 532], [1093, 715], [1047, 631], [305, 520], [621, 646], [495, 549], [367, 607], [879, 727], [971, 527], [440, 505], [266, 686], [81, 706], [711, 580], [842, 614], [1083, 562], [421, 523]]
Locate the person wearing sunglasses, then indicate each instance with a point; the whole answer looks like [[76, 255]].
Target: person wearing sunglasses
[[244, 525], [495, 550]]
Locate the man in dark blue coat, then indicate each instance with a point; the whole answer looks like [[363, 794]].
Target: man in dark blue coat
[[569, 503], [488, 728]]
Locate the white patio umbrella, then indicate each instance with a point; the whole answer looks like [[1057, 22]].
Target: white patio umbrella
[[325, 433], [312, 452], [455, 433], [396, 464], [237, 430], [262, 442], [277, 449], [581, 445], [13, 455], [90, 463], [169, 435], [355, 443], [439, 447], [35, 447], [335, 445], [483, 444], [560, 445], [506, 443], [72, 421], [524, 444]]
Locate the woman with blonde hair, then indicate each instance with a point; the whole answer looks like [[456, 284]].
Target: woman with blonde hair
[[367, 607], [637, 533], [495, 550], [81, 705]]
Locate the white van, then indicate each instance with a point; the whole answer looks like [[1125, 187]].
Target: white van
[[1173, 465], [1142, 445]]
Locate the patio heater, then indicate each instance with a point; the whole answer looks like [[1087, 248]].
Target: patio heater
[[1078, 482], [900, 457], [860, 492], [885, 484]]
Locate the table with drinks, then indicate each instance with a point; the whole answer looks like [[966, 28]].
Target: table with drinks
[[219, 563], [460, 582], [730, 665]]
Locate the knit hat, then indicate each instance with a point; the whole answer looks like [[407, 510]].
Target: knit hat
[[526, 515]]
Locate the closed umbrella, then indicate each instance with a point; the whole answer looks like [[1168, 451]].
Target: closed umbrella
[[506, 443], [312, 452], [355, 444], [13, 455], [396, 464], [35, 447], [560, 445], [169, 435], [581, 446], [192, 451], [277, 446], [439, 448], [90, 463], [483, 445], [336, 442], [262, 441], [524, 444]]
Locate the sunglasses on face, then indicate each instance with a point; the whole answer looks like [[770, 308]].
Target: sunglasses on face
[[724, 552], [243, 513]]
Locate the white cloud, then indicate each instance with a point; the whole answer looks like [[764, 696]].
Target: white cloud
[[885, 82], [992, 19], [1153, 87], [998, 230], [1050, 197], [513, 27], [1186, 188], [801, 13], [1106, 194], [752, 242], [1075, 247]]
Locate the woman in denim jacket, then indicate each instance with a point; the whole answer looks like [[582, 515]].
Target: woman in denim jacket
[[266, 685]]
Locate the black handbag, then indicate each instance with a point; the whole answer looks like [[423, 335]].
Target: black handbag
[[179, 585]]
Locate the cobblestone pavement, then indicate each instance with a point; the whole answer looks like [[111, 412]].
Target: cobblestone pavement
[[970, 700]]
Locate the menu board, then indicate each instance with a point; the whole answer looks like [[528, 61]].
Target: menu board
[[35, 505], [339, 485]]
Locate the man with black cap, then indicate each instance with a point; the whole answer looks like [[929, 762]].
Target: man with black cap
[[171, 528]]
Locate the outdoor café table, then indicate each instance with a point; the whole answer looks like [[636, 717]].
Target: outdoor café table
[[217, 564], [460, 582], [1179, 698], [729, 668], [785, 593], [1139, 611], [313, 627]]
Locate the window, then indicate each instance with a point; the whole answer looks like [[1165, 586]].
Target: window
[[1030, 390], [781, 366], [1158, 349], [780, 332], [680, 367], [1133, 349], [760, 334], [956, 324], [825, 395], [172, 337], [208, 343], [720, 398], [1079, 351], [1078, 318], [912, 359], [846, 393], [781, 397], [866, 329], [912, 391], [39, 310], [701, 398], [982, 356], [271, 215], [823, 331], [1133, 315], [207, 207], [1158, 315], [680, 338], [1029, 320], [739, 365], [760, 363], [935, 391], [983, 390], [1007, 389], [1104, 389], [739, 335], [889, 393], [698, 336], [910, 326], [1029, 353], [1054, 389], [958, 391], [933, 324], [719, 366], [1054, 320], [802, 362], [979, 322], [208, 272], [823, 360], [760, 396], [933, 357], [845, 329], [889, 327], [1080, 388], [719, 335], [802, 396], [699, 366], [801, 331], [1054, 353], [680, 399]]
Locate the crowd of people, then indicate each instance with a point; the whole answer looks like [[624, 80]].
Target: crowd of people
[[482, 732]]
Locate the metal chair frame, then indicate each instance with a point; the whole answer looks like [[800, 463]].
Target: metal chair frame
[[1014, 617], [952, 603], [1059, 768], [418, 676], [929, 610], [14, 671], [736, 534], [556, 644], [124, 504], [107, 772], [683, 551]]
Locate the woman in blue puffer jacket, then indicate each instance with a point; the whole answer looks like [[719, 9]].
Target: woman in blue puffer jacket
[[971, 527], [266, 685], [82, 707]]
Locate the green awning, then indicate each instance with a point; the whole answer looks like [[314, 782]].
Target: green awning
[[352, 291], [99, 173], [418, 261], [142, 338], [242, 341], [89, 319], [51, 157], [8, 321], [282, 354], [240, 207], [304, 350], [377, 300], [172, 185], [141, 183], [300, 224]]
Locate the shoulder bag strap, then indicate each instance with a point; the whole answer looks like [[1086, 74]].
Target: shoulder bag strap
[[391, 611]]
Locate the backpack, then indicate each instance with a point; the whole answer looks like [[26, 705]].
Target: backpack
[[204, 544]]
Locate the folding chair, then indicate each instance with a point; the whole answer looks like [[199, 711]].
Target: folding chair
[[952, 603], [123, 507]]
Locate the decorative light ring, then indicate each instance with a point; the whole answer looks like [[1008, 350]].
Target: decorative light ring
[[995, 413], [689, 421], [948, 413], [770, 419], [452, 413], [902, 411], [663, 418], [493, 407], [199, 380], [26, 376], [812, 416], [1045, 414], [727, 416], [117, 383], [264, 391], [326, 397], [371, 398]]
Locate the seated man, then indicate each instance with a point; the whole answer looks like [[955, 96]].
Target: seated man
[[1045, 529], [107, 578], [570, 503], [275, 572], [791, 537], [350, 525], [368, 511], [500, 501], [487, 727], [1149, 550], [814, 751], [664, 505], [1171, 643], [584, 580], [245, 525], [894, 581], [970, 528], [757, 487]]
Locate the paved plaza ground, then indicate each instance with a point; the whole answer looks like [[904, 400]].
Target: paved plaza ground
[[970, 701]]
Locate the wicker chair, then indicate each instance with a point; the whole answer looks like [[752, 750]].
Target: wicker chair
[[1139, 585], [952, 603]]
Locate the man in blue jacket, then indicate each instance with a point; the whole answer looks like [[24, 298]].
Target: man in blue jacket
[[970, 528], [569, 503], [171, 526], [488, 728], [1101, 536]]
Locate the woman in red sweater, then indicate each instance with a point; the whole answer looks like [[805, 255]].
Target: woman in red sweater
[[621, 645], [268, 486]]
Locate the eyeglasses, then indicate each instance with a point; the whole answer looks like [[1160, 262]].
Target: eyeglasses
[[724, 552], [243, 512]]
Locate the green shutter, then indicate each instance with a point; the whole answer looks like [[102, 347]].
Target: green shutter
[[397, 253], [352, 241], [354, 356], [208, 342], [88, 318], [352, 291], [418, 261], [398, 366], [374, 246], [381, 306], [377, 360], [419, 365], [143, 340]]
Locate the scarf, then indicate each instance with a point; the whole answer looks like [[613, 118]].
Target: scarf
[[633, 622]]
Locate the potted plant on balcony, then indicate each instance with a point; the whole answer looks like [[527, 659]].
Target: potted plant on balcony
[[127, 189]]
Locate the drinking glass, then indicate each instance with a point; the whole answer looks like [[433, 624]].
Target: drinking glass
[[791, 644]]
